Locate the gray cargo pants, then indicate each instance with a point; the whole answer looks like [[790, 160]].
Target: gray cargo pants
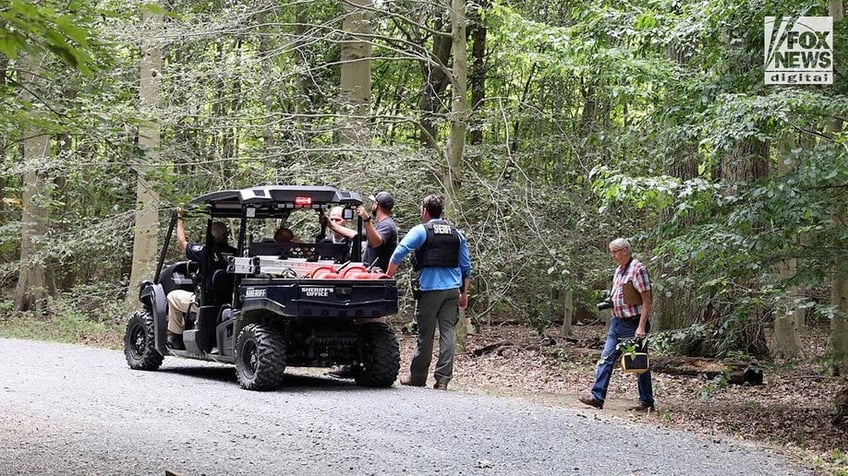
[[435, 308]]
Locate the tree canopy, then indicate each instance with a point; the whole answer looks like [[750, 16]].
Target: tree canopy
[[647, 119]]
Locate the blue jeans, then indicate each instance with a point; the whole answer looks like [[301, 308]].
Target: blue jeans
[[620, 329]]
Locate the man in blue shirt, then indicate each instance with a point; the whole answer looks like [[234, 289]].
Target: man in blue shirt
[[444, 274]]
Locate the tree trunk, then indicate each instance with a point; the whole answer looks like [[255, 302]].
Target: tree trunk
[[63, 278], [459, 124], [356, 72], [836, 9], [744, 164], [838, 345], [436, 80], [788, 318], [147, 198], [739, 373], [4, 64], [787, 342], [567, 313], [35, 285], [747, 162], [478, 67], [269, 138], [459, 99], [680, 310]]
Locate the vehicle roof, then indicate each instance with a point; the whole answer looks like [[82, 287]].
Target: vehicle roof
[[272, 200]]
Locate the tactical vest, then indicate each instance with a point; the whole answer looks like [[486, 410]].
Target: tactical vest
[[440, 249]]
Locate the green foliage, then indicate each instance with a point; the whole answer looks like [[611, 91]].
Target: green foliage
[[713, 386], [86, 313], [686, 341], [834, 462], [839, 457], [599, 120], [51, 26], [630, 346]]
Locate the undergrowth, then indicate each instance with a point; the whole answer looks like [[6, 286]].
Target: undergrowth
[[84, 315]]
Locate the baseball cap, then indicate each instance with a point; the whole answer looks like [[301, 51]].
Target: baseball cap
[[384, 199]]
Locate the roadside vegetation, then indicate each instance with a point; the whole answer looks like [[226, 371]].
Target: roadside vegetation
[[85, 315]]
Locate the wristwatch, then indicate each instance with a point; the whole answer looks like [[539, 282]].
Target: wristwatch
[[368, 218]]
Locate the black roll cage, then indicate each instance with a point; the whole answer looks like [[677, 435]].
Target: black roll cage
[[261, 202]]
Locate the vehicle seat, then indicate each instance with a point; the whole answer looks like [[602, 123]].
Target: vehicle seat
[[225, 314], [265, 248], [338, 252], [180, 275], [222, 286]]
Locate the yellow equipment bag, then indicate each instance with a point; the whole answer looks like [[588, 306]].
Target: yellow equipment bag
[[635, 362]]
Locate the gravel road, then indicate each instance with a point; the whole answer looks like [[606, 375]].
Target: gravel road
[[78, 410]]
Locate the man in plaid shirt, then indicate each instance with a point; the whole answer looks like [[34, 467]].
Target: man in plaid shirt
[[631, 309]]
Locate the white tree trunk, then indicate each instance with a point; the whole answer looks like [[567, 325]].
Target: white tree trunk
[[459, 126], [356, 73], [147, 197], [34, 285]]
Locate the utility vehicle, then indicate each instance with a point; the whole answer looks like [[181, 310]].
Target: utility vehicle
[[305, 303]]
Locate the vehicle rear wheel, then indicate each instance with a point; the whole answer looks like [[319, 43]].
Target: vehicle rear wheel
[[380, 356], [139, 342], [260, 358]]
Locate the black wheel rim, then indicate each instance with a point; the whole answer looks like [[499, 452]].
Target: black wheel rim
[[137, 341], [250, 356]]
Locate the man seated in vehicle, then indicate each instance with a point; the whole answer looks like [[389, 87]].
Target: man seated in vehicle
[[290, 245], [181, 302], [339, 234], [284, 236]]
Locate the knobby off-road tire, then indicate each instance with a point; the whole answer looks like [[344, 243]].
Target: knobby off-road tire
[[260, 358], [140, 343], [380, 356]]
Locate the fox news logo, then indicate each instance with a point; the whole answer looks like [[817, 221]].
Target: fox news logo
[[799, 50]]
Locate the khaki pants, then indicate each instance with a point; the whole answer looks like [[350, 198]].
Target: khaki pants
[[180, 303]]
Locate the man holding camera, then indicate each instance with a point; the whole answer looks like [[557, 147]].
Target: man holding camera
[[631, 309]]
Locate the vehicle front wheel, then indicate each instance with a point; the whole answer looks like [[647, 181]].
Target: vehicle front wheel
[[139, 342], [380, 356], [260, 358]]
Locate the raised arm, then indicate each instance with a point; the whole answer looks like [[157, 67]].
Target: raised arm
[[181, 237]]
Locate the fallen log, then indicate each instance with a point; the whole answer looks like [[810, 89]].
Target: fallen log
[[738, 373], [488, 349]]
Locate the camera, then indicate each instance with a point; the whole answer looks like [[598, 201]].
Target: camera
[[606, 302]]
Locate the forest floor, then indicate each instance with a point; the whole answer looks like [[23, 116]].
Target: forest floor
[[791, 411]]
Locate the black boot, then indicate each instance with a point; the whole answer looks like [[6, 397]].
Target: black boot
[[175, 341]]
